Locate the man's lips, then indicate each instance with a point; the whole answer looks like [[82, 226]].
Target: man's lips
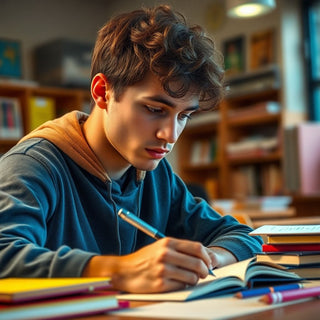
[[157, 153]]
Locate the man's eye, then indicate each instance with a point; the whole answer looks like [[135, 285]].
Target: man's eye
[[154, 110], [185, 116]]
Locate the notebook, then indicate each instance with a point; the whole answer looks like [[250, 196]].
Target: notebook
[[26, 289], [62, 307]]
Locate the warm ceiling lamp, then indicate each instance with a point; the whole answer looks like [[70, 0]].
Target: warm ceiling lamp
[[248, 9]]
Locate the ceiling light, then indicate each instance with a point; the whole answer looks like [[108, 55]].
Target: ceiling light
[[247, 9]]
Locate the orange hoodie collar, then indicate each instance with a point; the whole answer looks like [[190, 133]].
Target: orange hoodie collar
[[66, 133]]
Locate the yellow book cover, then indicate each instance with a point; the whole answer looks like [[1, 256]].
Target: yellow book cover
[[41, 109], [303, 239], [26, 289]]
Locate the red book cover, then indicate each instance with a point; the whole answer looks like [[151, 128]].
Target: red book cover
[[290, 247]]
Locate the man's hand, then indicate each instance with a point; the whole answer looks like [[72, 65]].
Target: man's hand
[[166, 265], [220, 257]]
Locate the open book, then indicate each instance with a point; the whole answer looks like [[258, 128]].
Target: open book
[[227, 279]]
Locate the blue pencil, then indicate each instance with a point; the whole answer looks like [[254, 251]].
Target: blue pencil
[[265, 290]]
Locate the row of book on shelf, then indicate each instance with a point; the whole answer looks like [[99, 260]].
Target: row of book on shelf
[[254, 180], [301, 167], [203, 151], [40, 109], [257, 144], [10, 118], [256, 109], [254, 145]]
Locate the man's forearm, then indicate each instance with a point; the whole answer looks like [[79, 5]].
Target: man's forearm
[[221, 257]]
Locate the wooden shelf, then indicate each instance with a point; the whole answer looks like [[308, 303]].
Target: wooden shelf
[[201, 167], [247, 98], [271, 157], [231, 130], [202, 129], [65, 99], [307, 205], [253, 119]]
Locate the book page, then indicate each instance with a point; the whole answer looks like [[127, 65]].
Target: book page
[[287, 230]]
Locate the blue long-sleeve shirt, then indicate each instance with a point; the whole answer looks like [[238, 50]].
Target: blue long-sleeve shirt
[[57, 210]]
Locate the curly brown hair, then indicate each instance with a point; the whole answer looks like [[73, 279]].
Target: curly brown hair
[[160, 41]]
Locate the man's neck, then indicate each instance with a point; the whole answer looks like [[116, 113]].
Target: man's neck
[[94, 132]]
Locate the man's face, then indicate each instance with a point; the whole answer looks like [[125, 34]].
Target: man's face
[[145, 123]]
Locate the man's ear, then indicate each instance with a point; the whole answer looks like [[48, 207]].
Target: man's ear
[[100, 90]]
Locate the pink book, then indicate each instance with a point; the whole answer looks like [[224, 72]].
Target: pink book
[[302, 158]]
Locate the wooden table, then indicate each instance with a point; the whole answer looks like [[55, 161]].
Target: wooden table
[[266, 214], [255, 217], [309, 310]]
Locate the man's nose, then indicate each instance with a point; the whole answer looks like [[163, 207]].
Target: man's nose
[[169, 131]]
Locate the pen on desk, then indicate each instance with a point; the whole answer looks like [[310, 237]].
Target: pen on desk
[[291, 295], [143, 226], [265, 290]]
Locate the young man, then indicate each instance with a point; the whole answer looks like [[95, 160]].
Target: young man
[[62, 185]]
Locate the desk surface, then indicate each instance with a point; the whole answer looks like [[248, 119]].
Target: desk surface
[[308, 310], [266, 214]]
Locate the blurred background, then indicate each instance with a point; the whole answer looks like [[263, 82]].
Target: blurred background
[[257, 155]]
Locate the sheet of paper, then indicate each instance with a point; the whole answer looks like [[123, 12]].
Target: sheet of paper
[[287, 230], [203, 309]]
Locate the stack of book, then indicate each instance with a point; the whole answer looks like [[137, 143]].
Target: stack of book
[[53, 298], [296, 247]]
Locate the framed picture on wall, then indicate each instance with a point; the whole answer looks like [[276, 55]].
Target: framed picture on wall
[[234, 55], [10, 58], [262, 49]]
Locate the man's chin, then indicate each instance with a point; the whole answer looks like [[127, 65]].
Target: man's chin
[[150, 166]]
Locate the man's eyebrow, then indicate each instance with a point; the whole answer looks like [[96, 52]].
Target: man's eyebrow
[[165, 101]]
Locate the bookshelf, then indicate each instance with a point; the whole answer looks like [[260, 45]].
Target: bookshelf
[[64, 100], [249, 148], [203, 137]]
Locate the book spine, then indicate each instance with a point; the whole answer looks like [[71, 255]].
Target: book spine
[[10, 118], [293, 239], [291, 248]]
